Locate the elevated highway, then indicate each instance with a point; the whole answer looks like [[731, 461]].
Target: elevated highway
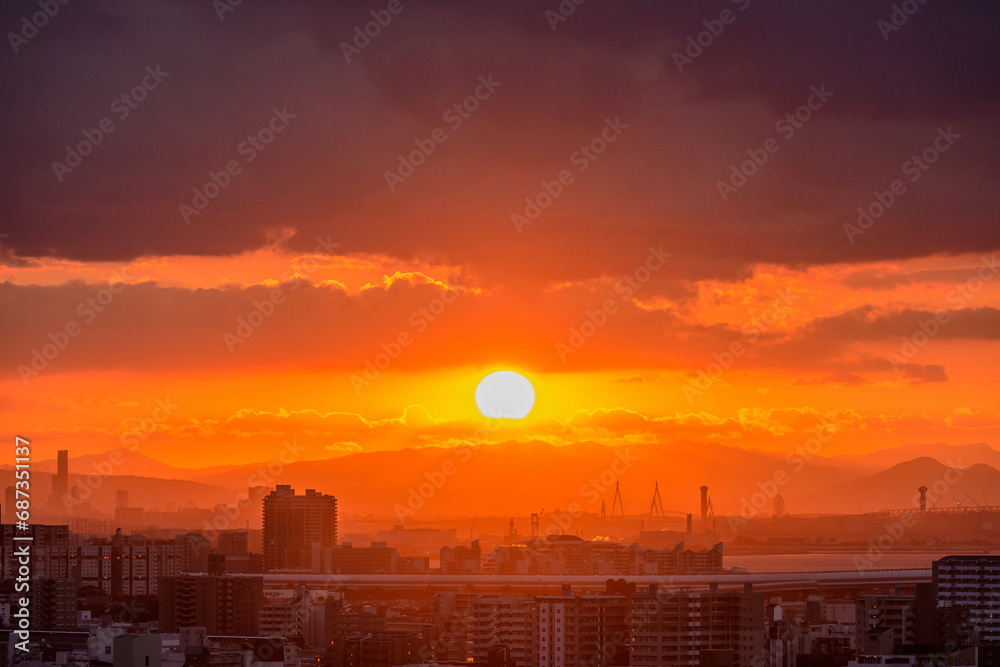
[[580, 583]]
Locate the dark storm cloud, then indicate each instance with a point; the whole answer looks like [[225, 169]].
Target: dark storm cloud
[[867, 323], [324, 174], [146, 327]]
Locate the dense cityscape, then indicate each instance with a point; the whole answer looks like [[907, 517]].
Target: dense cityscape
[[541, 333], [295, 592]]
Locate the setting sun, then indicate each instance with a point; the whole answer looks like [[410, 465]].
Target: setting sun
[[505, 394]]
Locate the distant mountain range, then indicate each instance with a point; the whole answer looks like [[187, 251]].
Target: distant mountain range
[[149, 492], [515, 478], [963, 455], [896, 488]]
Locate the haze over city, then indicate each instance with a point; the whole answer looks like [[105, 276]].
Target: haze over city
[[572, 289]]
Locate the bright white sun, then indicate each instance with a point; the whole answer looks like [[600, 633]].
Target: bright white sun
[[505, 394]]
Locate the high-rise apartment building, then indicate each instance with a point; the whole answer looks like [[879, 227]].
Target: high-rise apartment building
[[53, 604], [193, 550], [895, 612], [507, 622], [125, 564], [296, 527], [233, 543], [675, 628], [582, 630], [968, 589], [223, 605], [50, 550], [60, 482]]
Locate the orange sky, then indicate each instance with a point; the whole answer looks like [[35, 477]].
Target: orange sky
[[824, 350], [644, 302]]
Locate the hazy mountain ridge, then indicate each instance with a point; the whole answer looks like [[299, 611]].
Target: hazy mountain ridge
[[960, 455], [896, 488], [149, 492], [434, 481]]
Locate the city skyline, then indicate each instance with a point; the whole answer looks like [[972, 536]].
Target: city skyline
[[559, 333]]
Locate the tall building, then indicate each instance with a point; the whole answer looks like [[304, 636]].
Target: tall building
[[235, 564], [582, 630], [349, 559], [53, 604], [895, 612], [461, 559], [452, 612], [60, 482], [675, 628], [300, 620], [968, 600], [121, 566], [50, 550], [233, 543], [223, 605], [504, 622], [297, 526], [193, 550], [125, 564]]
